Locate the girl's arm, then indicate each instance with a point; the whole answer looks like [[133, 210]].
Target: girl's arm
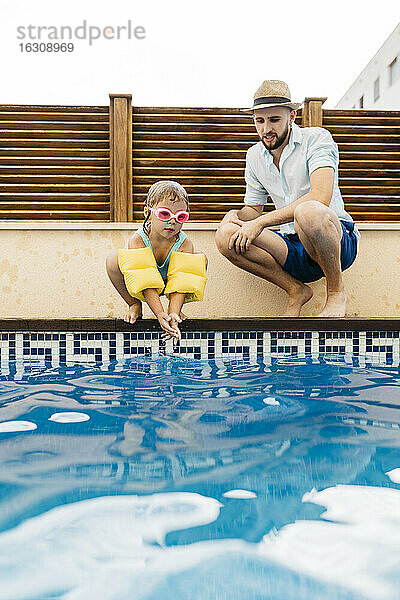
[[165, 320], [177, 299]]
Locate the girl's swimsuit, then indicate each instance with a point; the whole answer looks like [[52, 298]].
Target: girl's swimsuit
[[163, 269]]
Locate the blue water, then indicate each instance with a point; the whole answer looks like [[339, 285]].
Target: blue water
[[195, 480]]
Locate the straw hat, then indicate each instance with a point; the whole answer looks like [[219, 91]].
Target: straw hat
[[273, 93]]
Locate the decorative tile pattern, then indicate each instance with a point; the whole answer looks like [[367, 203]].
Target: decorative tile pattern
[[88, 347]]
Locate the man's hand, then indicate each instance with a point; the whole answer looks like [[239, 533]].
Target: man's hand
[[241, 240]]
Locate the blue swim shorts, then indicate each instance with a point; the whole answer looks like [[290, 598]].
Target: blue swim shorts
[[301, 266]]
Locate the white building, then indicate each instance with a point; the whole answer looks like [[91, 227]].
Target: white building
[[378, 86]]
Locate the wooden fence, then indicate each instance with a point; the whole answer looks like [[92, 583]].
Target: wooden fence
[[95, 163]]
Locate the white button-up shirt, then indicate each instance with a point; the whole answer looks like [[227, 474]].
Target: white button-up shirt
[[309, 148]]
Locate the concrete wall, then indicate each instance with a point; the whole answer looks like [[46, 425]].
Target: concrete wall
[[378, 67], [57, 271]]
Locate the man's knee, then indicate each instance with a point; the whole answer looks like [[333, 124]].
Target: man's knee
[[311, 215], [223, 236]]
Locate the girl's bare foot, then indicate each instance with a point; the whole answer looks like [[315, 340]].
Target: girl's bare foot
[[133, 313], [300, 295], [335, 305]]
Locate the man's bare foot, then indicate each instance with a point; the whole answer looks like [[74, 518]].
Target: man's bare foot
[[133, 313], [302, 294], [335, 305]]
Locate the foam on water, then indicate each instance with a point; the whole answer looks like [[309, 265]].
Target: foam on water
[[14, 426], [114, 548], [357, 544], [240, 494], [69, 417], [394, 475]]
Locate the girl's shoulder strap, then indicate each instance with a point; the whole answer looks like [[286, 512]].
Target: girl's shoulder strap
[[144, 236]]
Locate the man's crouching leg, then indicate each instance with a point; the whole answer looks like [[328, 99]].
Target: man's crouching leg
[[320, 232], [264, 258], [134, 308]]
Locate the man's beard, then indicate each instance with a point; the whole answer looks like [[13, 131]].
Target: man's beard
[[279, 140]]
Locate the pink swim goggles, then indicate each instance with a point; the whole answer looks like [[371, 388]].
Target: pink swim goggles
[[164, 214]]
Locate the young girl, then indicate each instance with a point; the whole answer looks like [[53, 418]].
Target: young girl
[[165, 210]]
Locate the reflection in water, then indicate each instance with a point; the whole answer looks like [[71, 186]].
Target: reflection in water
[[186, 436]]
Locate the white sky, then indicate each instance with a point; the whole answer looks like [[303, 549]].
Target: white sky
[[204, 53]]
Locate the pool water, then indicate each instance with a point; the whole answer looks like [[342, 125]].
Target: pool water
[[171, 478]]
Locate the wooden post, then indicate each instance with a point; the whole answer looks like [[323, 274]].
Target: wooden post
[[312, 112], [121, 206]]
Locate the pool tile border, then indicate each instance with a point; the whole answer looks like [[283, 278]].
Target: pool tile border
[[55, 347]]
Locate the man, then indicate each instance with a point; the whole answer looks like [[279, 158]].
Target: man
[[298, 168]]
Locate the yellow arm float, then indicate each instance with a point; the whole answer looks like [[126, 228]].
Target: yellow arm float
[[140, 272], [187, 275]]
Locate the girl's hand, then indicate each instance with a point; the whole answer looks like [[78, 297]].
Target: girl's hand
[[168, 324], [175, 318]]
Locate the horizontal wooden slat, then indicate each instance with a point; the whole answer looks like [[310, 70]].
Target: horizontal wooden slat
[[222, 199], [68, 144], [55, 189], [208, 198], [46, 108], [393, 207], [30, 205], [182, 136], [185, 180], [388, 140], [46, 152], [367, 148], [185, 110], [220, 176], [45, 126], [188, 163], [365, 130], [200, 189], [183, 152], [52, 165], [186, 146], [54, 179], [369, 190], [54, 197], [232, 186], [142, 129], [225, 176], [215, 128], [41, 134], [339, 113], [55, 215], [150, 164], [328, 122], [160, 119], [63, 117], [53, 171]]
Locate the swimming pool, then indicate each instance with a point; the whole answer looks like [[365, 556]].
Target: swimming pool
[[262, 472]]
